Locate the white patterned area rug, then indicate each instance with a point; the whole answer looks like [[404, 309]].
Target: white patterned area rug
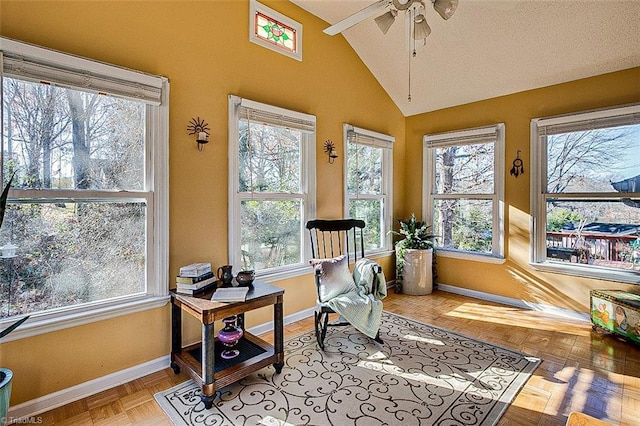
[[421, 375]]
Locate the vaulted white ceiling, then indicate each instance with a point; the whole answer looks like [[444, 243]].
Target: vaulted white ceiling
[[491, 48]]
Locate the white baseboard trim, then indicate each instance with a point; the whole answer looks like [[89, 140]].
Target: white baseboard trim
[[65, 396], [83, 390], [268, 326], [515, 302]]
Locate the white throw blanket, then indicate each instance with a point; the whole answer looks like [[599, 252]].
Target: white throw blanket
[[362, 307]]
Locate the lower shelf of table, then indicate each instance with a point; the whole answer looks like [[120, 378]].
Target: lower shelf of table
[[247, 348], [255, 354]]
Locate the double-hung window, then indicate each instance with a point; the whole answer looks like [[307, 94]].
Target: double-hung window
[[369, 184], [271, 188], [585, 188], [86, 144], [463, 180]]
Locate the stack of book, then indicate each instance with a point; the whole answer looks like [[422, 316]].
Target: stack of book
[[195, 269], [195, 278]]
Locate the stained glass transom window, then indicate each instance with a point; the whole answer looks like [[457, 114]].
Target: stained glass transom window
[[275, 31]]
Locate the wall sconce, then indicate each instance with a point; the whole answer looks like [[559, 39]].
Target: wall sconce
[[330, 149], [201, 129]]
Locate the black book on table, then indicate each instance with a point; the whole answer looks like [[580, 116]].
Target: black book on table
[[195, 286], [192, 280], [198, 290]]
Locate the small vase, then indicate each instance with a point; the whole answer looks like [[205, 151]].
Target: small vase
[[229, 337], [245, 278]]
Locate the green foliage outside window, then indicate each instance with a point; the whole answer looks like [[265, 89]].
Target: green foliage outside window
[[558, 218], [270, 233], [474, 232], [369, 211]]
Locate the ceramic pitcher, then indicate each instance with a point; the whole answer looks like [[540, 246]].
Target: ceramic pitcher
[[225, 275]]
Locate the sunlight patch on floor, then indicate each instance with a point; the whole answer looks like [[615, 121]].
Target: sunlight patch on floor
[[423, 340], [517, 317], [272, 421], [379, 357], [455, 382], [461, 381]]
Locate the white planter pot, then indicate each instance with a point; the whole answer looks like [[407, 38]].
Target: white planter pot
[[417, 277], [6, 378]]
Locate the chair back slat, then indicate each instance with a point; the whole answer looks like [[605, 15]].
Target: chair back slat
[[330, 238]]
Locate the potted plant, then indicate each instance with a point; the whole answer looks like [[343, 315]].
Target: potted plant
[[6, 375], [415, 258]]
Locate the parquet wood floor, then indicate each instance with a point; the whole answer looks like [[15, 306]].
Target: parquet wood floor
[[583, 370]]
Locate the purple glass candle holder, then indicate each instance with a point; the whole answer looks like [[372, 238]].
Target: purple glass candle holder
[[229, 337]]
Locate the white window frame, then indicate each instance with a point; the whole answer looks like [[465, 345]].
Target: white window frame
[[255, 7], [154, 90], [377, 140], [539, 195], [308, 184], [430, 143]]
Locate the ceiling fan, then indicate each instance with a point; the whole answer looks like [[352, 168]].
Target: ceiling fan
[[387, 10]]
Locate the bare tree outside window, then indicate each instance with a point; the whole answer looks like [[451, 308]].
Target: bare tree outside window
[[464, 190], [464, 221], [365, 191], [588, 221], [588, 161], [71, 251], [269, 163], [271, 187]]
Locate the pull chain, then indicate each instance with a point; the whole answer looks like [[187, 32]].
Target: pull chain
[[411, 54], [409, 97]]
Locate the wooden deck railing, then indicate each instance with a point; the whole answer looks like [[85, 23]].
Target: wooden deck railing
[[597, 246]]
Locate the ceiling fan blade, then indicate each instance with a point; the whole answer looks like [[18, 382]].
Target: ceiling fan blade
[[369, 11]]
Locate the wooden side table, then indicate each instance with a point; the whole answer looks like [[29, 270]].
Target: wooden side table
[[202, 361]]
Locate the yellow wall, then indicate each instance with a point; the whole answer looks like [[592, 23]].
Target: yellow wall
[[515, 278], [203, 48]]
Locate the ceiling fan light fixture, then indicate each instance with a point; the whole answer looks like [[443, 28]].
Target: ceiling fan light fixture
[[445, 8], [421, 29], [419, 14], [402, 4], [385, 20]]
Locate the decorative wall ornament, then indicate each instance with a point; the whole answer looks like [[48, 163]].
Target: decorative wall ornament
[[330, 149], [518, 166], [200, 128]]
